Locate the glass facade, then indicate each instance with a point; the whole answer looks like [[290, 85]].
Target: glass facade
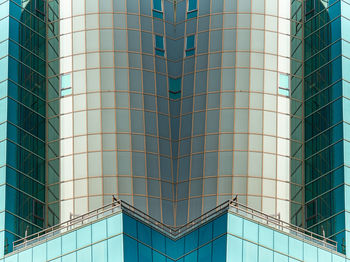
[[22, 119], [226, 237], [326, 125], [175, 106]]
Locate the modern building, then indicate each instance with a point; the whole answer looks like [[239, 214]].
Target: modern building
[[175, 107], [22, 120], [230, 232]]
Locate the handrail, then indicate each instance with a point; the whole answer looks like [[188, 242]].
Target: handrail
[[175, 232], [282, 225]]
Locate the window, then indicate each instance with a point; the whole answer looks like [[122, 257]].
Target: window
[[174, 88], [190, 45], [66, 85], [192, 9], [159, 43], [283, 85], [158, 9]]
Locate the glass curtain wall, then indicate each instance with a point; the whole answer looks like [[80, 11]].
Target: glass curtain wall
[[326, 122], [175, 106], [23, 112]]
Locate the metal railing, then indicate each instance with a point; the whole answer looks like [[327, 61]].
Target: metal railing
[[175, 232], [281, 225]]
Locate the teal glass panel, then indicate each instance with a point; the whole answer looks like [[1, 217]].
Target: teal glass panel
[[4, 67], [72, 257], [144, 234], [2, 222], [284, 81], [39, 253], [192, 257], [157, 5], [192, 14], [3, 110], [219, 249], [296, 248], [99, 231], [158, 241], [2, 197], [324, 256], [159, 41], [250, 252], [191, 241], [130, 226], [190, 42], [130, 247], [265, 254], [145, 253], [26, 255], [175, 249], [69, 242], [220, 226], [235, 225], [157, 257], [114, 225], [192, 5], [205, 233], [265, 236], [280, 258], [174, 85], [3, 89], [281, 242], [54, 248], [283, 92], [250, 231], [66, 92], [310, 253], [115, 248], [84, 255], [99, 252], [13, 258], [337, 258], [205, 253], [66, 81], [84, 236], [158, 14]]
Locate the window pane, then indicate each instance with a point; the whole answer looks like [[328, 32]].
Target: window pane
[[66, 81], [190, 42], [115, 248], [157, 5], [192, 5]]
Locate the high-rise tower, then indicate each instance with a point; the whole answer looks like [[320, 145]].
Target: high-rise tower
[[175, 107], [22, 119]]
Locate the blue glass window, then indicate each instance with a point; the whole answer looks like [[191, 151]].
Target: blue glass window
[[204, 253], [219, 249], [190, 45], [192, 9], [157, 9], [66, 85], [283, 85], [130, 249], [159, 43], [174, 88]]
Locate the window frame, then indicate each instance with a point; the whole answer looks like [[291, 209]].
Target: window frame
[[192, 10], [63, 90], [156, 48], [188, 51], [156, 12]]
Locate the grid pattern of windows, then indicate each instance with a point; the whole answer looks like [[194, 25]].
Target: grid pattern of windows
[[22, 120], [175, 135], [326, 139], [227, 238]]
